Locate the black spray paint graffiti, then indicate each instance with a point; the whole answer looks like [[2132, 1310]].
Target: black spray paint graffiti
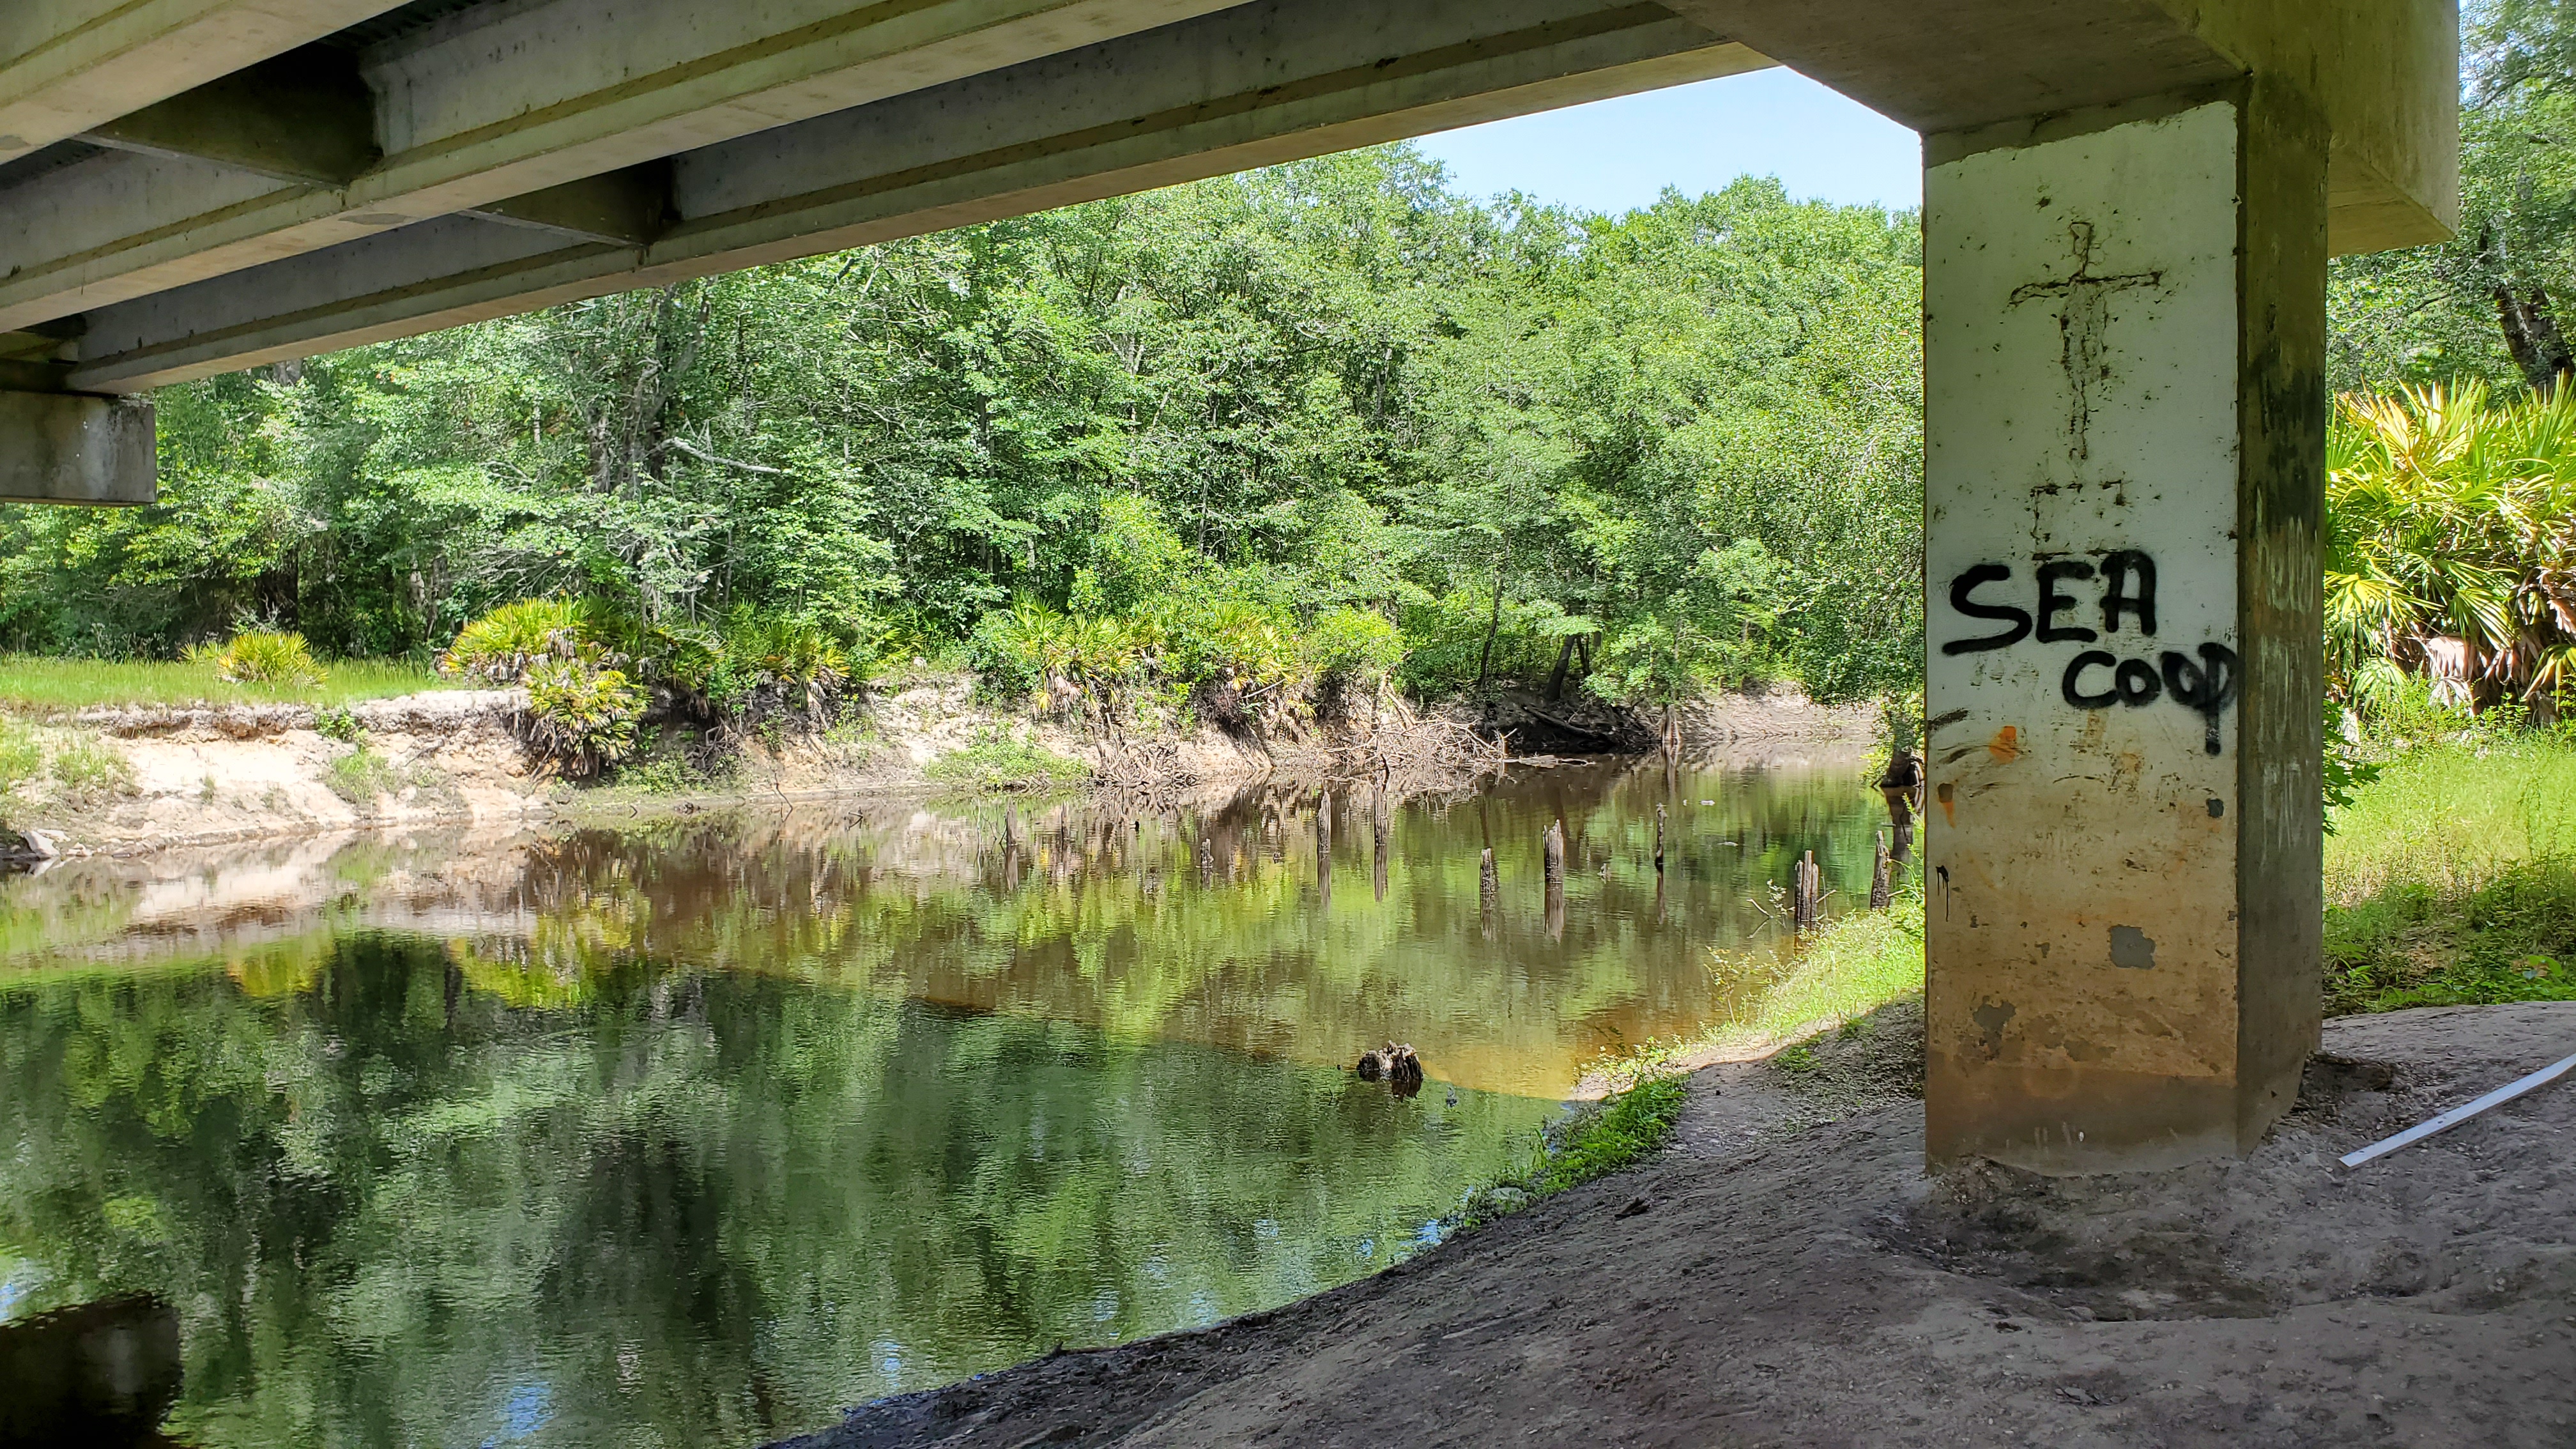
[[2206, 686]]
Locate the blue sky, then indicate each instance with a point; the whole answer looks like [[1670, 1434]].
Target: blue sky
[[1615, 155]]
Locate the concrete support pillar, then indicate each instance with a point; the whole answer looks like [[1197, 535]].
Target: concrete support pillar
[[69, 448], [2124, 347]]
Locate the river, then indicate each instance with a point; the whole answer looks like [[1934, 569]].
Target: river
[[693, 1131]]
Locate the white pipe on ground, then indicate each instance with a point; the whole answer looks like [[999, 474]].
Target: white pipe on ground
[[2458, 1115]]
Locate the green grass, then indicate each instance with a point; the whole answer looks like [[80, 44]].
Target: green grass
[[37, 685], [22, 756], [67, 766], [1592, 1141], [1628, 1128], [361, 775], [996, 763], [2451, 879]]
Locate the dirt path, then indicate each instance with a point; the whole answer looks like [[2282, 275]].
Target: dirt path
[[1776, 1281]]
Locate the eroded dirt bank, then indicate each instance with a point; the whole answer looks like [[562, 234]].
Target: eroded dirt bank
[[1777, 1278], [218, 775]]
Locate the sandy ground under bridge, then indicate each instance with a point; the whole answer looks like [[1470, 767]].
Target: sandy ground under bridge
[[1785, 1275]]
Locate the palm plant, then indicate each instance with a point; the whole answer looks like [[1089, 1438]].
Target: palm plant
[[2451, 544], [263, 656], [506, 643]]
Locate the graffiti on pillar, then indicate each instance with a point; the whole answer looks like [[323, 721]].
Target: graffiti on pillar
[[2083, 316], [2204, 681]]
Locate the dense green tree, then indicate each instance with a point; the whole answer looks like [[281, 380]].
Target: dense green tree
[[2484, 306], [1664, 451]]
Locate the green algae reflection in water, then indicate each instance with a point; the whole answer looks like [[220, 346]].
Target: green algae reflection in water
[[697, 1208]]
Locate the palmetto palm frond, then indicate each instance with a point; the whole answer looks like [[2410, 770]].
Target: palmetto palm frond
[[2451, 539]]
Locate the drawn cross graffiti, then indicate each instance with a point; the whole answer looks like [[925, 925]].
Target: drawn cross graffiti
[[2083, 315]]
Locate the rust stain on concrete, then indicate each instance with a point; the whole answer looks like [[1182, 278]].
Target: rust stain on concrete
[[2005, 746]]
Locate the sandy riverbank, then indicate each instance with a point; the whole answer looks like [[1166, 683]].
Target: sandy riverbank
[[1786, 1275], [211, 776]]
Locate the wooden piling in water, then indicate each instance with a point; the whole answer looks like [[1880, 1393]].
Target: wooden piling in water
[[1805, 893], [1489, 887], [1552, 861], [1659, 840], [1879, 891], [1324, 847]]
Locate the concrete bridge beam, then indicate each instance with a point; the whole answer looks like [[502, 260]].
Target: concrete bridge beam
[[494, 103], [1259, 83], [69, 65], [69, 448]]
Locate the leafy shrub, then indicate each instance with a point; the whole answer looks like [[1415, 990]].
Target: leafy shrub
[[506, 643], [1356, 649], [580, 715], [778, 659], [666, 775], [1202, 636], [339, 723], [1134, 558], [361, 775], [263, 657], [1018, 652]]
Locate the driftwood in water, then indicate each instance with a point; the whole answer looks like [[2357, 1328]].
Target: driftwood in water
[[1430, 753], [1607, 737], [1394, 1064]]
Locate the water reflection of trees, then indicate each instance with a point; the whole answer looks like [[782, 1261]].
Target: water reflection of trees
[[1213, 925], [395, 1203]]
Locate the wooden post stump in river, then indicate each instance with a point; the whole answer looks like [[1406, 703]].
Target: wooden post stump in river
[[1805, 893], [1377, 854], [1659, 840], [1324, 848], [1552, 857], [1489, 891], [1879, 892]]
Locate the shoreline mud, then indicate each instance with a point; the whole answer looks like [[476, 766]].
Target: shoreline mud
[[1785, 1273]]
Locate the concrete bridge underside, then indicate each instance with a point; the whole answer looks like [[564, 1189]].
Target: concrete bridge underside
[[2128, 209]]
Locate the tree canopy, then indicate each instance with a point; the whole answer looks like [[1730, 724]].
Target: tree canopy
[[1673, 449]]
